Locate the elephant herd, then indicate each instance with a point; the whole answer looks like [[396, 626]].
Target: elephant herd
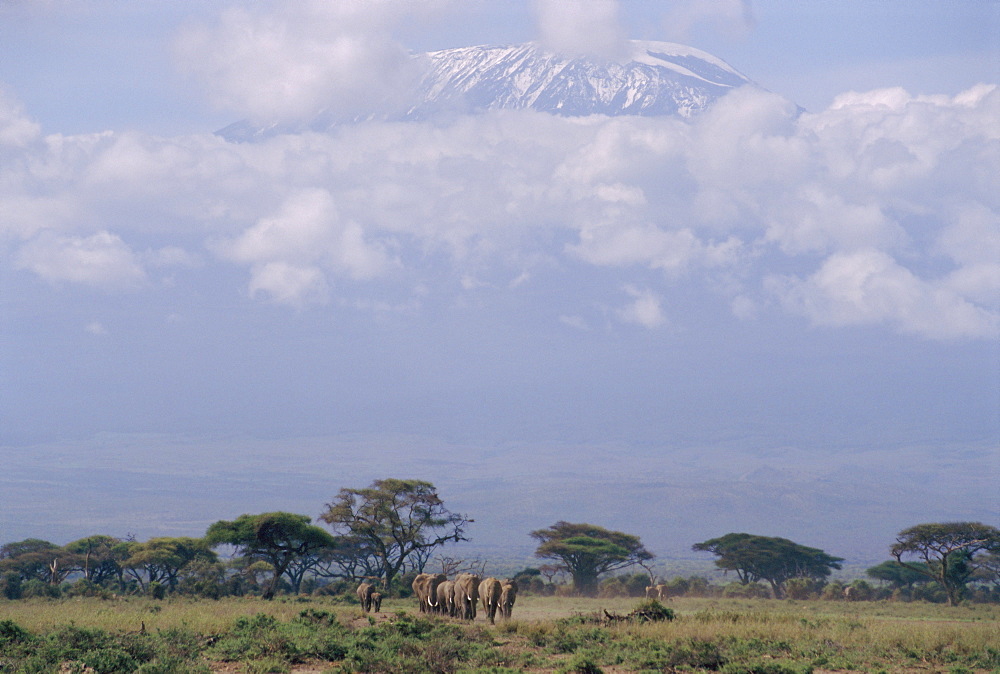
[[455, 598]]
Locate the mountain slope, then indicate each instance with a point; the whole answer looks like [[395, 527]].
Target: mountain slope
[[658, 78], [654, 78]]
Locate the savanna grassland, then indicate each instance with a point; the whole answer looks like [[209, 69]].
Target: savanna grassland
[[547, 634]]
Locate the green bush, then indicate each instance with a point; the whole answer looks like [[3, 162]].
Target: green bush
[[581, 664], [109, 660], [12, 634], [11, 586]]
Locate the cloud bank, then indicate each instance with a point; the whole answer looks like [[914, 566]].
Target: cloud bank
[[580, 27], [883, 210], [311, 55]]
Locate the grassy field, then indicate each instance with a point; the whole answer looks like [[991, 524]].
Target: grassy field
[[551, 634]]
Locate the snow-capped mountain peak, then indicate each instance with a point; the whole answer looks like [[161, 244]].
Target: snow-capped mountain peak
[[653, 78]]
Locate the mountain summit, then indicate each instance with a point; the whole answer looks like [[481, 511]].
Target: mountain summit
[[658, 78], [655, 78]]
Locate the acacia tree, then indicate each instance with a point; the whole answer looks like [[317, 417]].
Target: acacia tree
[[160, 560], [951, 552], [772, 559], [393, 520], [281, 539], [899, 577], [36, 559], [586, 551], [100, 557]]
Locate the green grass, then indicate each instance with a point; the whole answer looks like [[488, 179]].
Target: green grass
[[548, 635]]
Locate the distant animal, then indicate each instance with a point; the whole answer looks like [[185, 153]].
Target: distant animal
[[508, 594], [377, 602], [466, 595], [425, 589], [365, 591], [849, 593], [489, 596], [659, 592]]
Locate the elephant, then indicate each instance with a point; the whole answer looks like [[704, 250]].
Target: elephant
[[365, 591], [425, 588], [446, 598], [489, 595], [466, 595], [508, 595], [377, 602]]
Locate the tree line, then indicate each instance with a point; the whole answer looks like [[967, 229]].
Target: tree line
[[388, 533]]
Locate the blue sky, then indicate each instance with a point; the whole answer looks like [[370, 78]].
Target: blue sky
[[708, 295]]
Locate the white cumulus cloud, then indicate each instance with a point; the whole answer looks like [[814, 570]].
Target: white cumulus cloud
[[16, 129], [644, 309], [289, 61], [102, 260], [869, 287], [883, 210]]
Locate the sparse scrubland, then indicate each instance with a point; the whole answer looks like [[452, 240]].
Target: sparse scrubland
[[547, 634], [292, 597]]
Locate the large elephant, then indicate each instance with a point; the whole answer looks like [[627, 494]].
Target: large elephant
[[425, 589], [489, 596], [446, 598], [508, 595], [377, 602], [365, 591], [466, 595]]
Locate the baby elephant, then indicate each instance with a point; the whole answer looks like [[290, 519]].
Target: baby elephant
[[376, 602]]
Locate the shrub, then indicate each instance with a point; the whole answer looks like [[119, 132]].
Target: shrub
[[651, 610], [157, 590], [693, 654], [37, 588], [581, 664], [833, 591], [109, 660], [13, 637], [10, 585]]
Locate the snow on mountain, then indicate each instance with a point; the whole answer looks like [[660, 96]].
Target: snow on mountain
[[655, 78]]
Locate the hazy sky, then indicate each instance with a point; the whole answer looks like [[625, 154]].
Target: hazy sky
[[826, 283]]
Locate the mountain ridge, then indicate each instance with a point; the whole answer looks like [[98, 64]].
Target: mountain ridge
[[652, 78]]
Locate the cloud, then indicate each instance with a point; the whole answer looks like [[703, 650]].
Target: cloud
[[290, 250], [869, 287], [96, 328], [101, 260], [882, 210], [290, 60], [644, 309], [577, 27], [289, 284], [16, 129]]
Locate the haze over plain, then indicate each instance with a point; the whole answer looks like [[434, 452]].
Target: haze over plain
[[755, 320]]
